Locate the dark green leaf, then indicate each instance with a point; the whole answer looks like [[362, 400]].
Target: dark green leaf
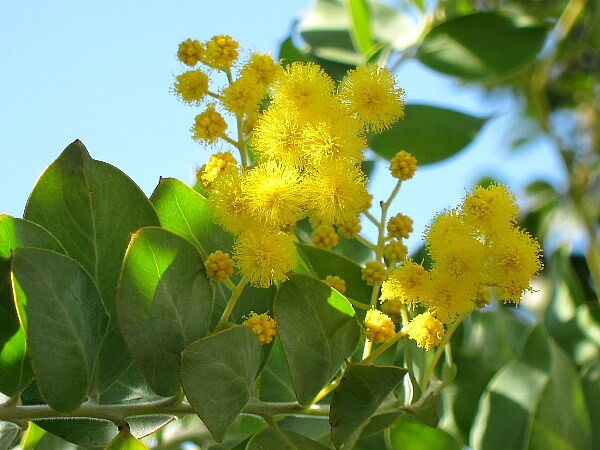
[[62, 315], [15, 368], [164, 303], [535, 402], [188, 214], [430, 133], [591, 389], [362, 30], [270, 439], [480, 46], [360, 393], [316, 337], [9, 433], [92, 208], [275, 380], [408, 434], [218, 373]]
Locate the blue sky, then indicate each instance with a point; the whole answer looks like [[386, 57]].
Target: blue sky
[[102, 72]]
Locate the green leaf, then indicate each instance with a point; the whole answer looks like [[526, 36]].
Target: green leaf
[[409, 434], [92, 208], [591, 389], [126, 441], [62, 315], [535, 402], [360, 393], [9, 434], [362, 31], [316, 337], [282, 440], [15, 368], [188, 214], [275, 380], [430, 133], [480, 46], [32, 436], [218, 374], [325, 262], [164, 303]]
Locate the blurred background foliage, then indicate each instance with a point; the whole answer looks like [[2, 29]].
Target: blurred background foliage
[[527, 377]]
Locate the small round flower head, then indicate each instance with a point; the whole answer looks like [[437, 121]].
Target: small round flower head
[[221, 52], [209, 125], [374, 273], [403, 166], [325, 237], [243, 96], [337, 137], [448, 297], [262, 67], [370, 92], [263, 326], [393, 308], [249, 123], [336, 192], [219, 266], [305, 89], [405, 284], [192, 86], [446, 227], [490, 209], [463, 258], [274, 195], [336, 283], [395, 251], [228, 206], [277, 136], [190, 52], [349, 227], [484, 296], [400, 226], [514, 260], [426, 330], [264, 257], [380, 327], [217, 165]]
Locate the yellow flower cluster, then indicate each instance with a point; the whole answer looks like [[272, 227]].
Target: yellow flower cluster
[[336, 283], [263, 326], [219, 266], [380, 327], [474, 247], [307, 145]]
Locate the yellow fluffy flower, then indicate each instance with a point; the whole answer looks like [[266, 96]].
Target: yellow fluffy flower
[[403, 165], [448, 297], [490, 209], [462, 258], [514, 260], [190, 52], [305, 89], [446, 227], [325, 237], [426, 330], [221, 52], [370, 92], [218, 164], [265, 257], [219, 266], [243, 96], [263, 326], [209, 125], [336, 192], [374, 273], [192, 86], [274, 194], [400, 226], [229, 208], [278, 136], [380, 327], [336, 282], [262, 67], [405, 284]]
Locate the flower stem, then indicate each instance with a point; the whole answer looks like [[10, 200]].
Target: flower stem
[[428, 375], [235, 295], [383, 347]]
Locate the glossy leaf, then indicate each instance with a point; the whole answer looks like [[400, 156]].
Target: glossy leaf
[[92, 208], [164, 303], [360, 393], [535, 402], [480, 46], [362, 30], [275, 380], [217, 373], [316, 337], [430, 133], [186, 213], [409, 434], [15, 368], [62, 315], [281, 439]]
